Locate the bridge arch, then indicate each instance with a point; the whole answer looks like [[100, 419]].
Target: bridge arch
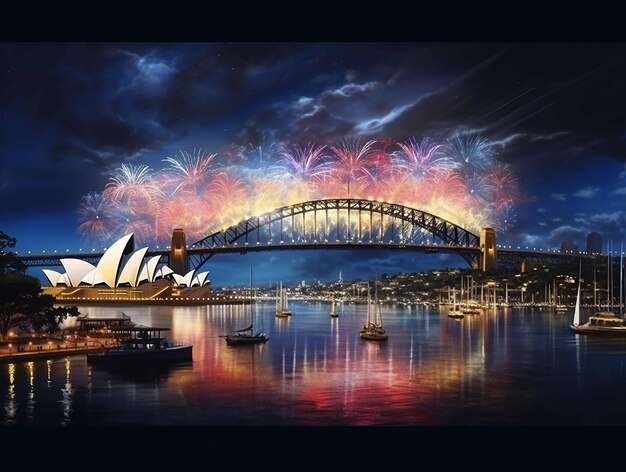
[[338, 220]]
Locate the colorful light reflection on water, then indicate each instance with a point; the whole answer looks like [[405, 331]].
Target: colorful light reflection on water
[[513, 367]]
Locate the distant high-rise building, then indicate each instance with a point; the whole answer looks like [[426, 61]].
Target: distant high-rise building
[[594, 243], [569, 246]]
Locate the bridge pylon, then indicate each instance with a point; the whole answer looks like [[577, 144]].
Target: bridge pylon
[[178, 252], [488, 250]]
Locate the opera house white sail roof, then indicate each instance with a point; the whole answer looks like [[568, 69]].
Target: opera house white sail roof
[[120, 266]]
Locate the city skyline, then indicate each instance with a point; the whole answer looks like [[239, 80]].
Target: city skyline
[[78, 113]]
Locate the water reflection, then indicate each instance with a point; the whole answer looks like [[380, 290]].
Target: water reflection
[[498, 368], [30, 403], [149, 375], [10, 405], [49, 373], [67, 392]]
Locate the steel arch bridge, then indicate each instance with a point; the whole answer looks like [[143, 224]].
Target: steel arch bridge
[[339, 223]]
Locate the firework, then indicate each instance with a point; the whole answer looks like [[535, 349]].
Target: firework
[[468, 149], [458, 179], [95, 217], [308, 163], [420, 159], [132, 183], [351, 166], [190, 171], [131, 218], [228, 193], [502, 185]]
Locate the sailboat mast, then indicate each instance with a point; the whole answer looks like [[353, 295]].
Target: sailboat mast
[[608, 278], [621, 278], [251, 302], [595, 285], [369, 306], [576, 321], [453, 299], [377, 319]]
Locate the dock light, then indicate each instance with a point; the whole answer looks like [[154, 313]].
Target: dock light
[[10, 347], [49, 345]]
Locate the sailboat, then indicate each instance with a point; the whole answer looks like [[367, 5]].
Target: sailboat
[[455, 312], [282, 307], [373, 330], [246, 336], [602, 322], [333, 310]]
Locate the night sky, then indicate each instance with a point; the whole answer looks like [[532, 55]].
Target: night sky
[[74, 113]]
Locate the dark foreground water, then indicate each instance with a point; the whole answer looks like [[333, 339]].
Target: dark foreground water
[[513, 367]]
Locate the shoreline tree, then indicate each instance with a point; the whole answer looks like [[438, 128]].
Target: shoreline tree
[[21, 303]]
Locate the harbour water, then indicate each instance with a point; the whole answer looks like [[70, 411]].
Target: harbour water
[[507, 368]]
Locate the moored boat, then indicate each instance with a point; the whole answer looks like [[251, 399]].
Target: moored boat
[[373, 329], [601, 322], [246, 336], [142, 344], [455, 313], [333, 309], [282, 305]]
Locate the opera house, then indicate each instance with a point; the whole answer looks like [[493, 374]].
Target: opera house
[[124, 275]]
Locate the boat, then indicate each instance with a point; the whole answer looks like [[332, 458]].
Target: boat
[[373, 329], [471, 308], [605, 322], [455, 313], [246, 336], [282, 306], [333, 310], [141, 344], [601, 322]]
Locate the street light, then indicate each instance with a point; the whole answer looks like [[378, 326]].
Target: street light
[[49, 345]]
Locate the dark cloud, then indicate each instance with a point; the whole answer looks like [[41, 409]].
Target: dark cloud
[[102, 137], [322, 123], [74, 111], [609, 223]]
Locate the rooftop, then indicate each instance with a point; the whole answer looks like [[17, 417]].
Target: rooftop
[[104, 317]]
